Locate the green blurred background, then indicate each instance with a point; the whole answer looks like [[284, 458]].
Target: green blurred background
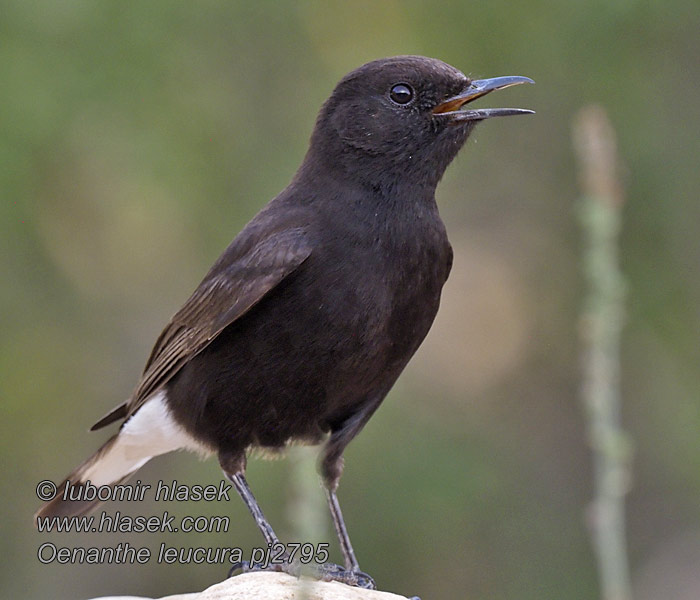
[[137, 138]]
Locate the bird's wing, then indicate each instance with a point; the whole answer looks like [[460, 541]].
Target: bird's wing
[[230, 289]]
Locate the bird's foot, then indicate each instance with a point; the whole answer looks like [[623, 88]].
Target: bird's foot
[[324, 572], [245, 566], [333, 572]]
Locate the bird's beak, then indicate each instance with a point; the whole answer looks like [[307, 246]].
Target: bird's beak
[[452, 107]]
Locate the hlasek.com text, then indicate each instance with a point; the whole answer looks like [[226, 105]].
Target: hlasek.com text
[[125, 553]]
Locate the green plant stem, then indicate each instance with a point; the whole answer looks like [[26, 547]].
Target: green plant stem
[[601, 326]]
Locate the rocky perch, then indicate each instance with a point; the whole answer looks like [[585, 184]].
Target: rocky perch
[[275, 586]]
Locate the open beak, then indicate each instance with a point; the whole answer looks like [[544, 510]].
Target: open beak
[[452, 107]]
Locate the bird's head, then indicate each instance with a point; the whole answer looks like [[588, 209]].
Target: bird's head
[[404, 116]]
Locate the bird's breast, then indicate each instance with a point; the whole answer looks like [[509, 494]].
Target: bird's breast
[[382, 297]]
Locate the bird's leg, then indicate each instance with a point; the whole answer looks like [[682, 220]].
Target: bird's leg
[[331, 468], [233, 465], [282, 563], [244, 491], [342, 532], [352, 575]]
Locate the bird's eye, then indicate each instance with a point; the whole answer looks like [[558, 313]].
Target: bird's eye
[[401, 93]]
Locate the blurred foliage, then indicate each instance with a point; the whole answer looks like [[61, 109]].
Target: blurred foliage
[[137, 138]]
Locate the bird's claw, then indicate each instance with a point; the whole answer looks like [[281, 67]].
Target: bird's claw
[[325, 572], [246, 567], [333, 572]]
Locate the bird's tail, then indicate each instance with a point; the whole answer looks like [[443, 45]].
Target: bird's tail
[[111, 465], [149, 432]]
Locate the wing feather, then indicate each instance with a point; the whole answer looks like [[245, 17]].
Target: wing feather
[[236, 283]]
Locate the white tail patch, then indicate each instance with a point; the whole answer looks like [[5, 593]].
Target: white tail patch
[[149, 432]]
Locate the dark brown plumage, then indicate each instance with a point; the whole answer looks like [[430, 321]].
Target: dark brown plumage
[[303, 325]]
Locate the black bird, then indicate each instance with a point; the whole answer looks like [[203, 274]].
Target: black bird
[[302, 326]]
